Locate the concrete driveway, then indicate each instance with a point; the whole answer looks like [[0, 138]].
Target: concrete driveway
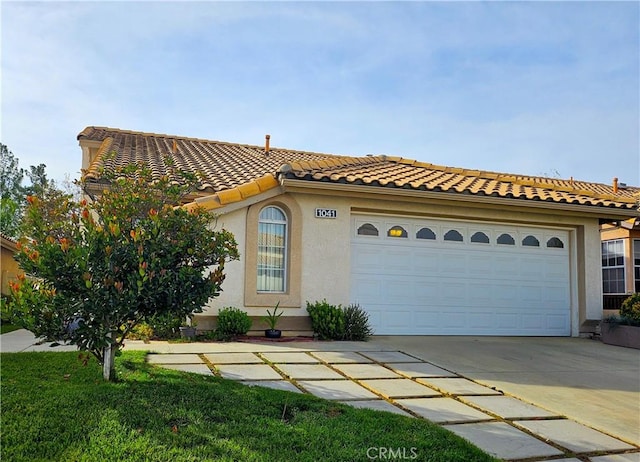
[[585, 380]]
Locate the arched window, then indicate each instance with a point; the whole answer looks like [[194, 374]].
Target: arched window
[[531, 241], [506, 239], [272, 250], [480, 237], [425, 233], [397, 231], [555, 243], [453, 235], [367, 230]]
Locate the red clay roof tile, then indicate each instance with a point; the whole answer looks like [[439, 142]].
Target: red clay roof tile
[[232, 172]]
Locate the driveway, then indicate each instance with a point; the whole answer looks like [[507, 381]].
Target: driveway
[[586, 380]]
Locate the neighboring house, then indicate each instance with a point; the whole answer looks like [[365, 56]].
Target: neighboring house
[[424, 249], [620, 260], [9, 268]]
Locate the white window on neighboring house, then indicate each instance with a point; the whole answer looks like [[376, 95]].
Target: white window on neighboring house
[[613, 267], [636, 263], [272, 250]]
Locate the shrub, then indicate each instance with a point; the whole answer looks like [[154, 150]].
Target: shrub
[[166, 326], [630, 309], [141, 331], [326, 320], [232, 322], [356, 323]]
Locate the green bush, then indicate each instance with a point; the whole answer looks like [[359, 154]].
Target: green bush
[[326, 320], [166, 326], [356, 323], [630, 309], [141, 331], [232, 322]]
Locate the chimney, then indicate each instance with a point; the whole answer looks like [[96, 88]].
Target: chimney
[[266, 144], [174, 148], [615, 185]]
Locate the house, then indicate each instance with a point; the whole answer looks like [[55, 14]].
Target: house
[[9, 268], [620, 260], [424, 249]]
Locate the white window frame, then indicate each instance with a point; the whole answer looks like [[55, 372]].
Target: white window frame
[[636, 264], [613, 253], [285, 249]]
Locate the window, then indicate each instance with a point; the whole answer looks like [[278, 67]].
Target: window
[[397, 231], [530, 241], [555, 243], [636, 263], [272, 250], [480, 237], [427, 233], [506, 239], [367, 230], [453, 235], [613, 267]]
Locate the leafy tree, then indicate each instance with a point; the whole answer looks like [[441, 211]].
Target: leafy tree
[[97, 268], [13, 194]]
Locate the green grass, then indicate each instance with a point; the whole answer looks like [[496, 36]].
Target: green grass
[[5, 327], [56, 409]]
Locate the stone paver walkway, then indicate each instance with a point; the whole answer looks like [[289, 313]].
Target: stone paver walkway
[[394, 381]]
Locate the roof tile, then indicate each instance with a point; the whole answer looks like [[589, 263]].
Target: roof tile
[[231, 172]]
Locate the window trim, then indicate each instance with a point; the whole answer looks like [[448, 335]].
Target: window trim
[[291, 297], [636, 266], [622, 266], [285, 266]]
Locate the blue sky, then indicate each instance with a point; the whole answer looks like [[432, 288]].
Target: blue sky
[[536, 88]]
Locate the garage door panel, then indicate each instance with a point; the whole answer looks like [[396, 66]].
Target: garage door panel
[[431, 287]]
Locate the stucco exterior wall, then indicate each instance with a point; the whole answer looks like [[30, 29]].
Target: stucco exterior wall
[[326, 246], [9, 269]]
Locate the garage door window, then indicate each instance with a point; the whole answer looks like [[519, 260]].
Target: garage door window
[[480, 238], [367, 230], [613, 267], [555, 243], [453, 235], [506, 239], [397, 231], [272, 250], [427, 233], [531, 241]]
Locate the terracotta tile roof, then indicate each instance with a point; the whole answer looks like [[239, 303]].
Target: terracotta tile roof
[[222, 165], [233, 172], [396, 172]]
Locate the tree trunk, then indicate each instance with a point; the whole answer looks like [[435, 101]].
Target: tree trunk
[[108, 366]]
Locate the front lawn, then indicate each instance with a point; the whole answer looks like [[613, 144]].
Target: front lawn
[[7, 327], [54, 408]]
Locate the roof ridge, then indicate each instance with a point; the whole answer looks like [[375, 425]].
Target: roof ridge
[[338, 161], [85, 132], [518, 179]]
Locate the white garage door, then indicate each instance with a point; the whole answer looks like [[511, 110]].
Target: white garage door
[[434, 277]]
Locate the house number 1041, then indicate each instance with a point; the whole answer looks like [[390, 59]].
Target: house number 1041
[[326, 213]]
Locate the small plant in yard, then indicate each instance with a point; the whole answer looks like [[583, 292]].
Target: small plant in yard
[[141, 331], [231, 323], [356, 323], [630, 310], [327, 320], [271, 319]]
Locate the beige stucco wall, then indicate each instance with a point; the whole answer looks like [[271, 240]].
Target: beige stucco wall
[[8, 268], [326, 247]]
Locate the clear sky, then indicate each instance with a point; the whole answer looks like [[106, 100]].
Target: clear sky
[[536, 88]]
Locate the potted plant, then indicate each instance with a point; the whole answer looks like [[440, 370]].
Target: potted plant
[[623, 330], [188, 329], [272, 320]]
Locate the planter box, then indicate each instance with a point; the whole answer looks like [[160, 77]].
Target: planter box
[[620, 335]]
